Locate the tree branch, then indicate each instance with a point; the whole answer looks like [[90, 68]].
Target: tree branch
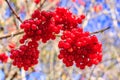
[[100, 31], [42, 4], [21, 32], [99, 63], [14, 34], [13, 11]]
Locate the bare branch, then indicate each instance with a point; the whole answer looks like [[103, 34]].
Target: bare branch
[[58, 35], [42, 4], [13, 11], [100, 63], [100, 31], [14, 34]]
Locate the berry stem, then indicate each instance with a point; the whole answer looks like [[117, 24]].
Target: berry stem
[[13, 11], [58, 35]]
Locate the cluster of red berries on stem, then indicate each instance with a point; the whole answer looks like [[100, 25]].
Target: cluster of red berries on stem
[[80, 48], [26, 56], [65, 18], [75, 46], [3, 57], [40, 27]]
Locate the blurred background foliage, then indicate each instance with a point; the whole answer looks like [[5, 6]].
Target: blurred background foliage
[[99, 14]]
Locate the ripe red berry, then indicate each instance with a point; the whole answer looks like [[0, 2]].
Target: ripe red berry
[[3, 57], [12, 45], [37, 1], [82, 16]]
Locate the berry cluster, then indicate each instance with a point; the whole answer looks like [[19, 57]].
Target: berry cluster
[[76, 46], [65, 18], [44, 25], [80, 48], [40, 26], [26, 56], [3, 57]]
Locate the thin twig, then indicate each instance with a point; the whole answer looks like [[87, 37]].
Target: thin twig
[[42, 4], [92, 72], [100, 31], [13, 11], [14, 20], [14, 75], [14, 34], [27, 6], [99, 63]]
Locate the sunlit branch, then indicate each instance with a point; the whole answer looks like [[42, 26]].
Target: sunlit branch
[[14, 34], [13, 11], [42, 4], [58, 35], [100, 31]]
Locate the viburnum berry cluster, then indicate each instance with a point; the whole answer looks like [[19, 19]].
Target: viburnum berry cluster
[[40, 27], [44, 25], [80, 48], [65, 18], [3, 57], [26, 56], [75, 46]]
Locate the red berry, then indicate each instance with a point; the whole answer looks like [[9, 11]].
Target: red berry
[[37, 1], [3, 57], [82, 16]]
